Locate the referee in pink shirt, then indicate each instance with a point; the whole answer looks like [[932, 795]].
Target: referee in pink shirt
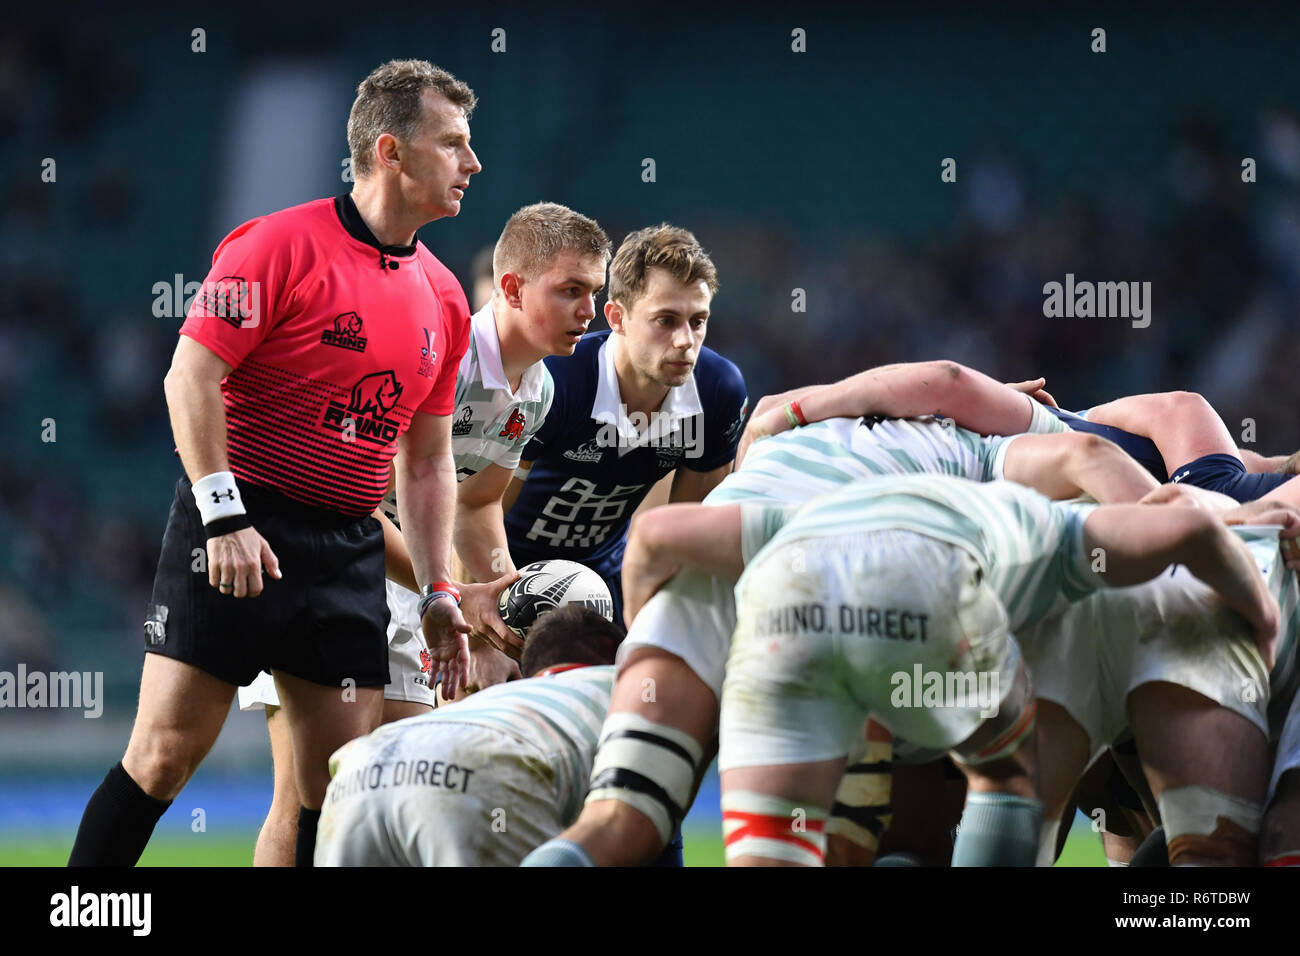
[[325, 341]]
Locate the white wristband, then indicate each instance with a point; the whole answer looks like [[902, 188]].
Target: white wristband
[[217, 496]]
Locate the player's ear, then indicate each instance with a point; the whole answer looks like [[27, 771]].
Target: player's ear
[[512, 287], [387, 154], [614, 315]]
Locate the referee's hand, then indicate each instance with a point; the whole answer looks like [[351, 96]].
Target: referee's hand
[[236, 560], [447, 635]]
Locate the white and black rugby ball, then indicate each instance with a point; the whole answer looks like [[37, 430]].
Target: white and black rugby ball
[[545, 585]]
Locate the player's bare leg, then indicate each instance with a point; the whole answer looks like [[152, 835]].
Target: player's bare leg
[[1280, 840], [661, 689], [321, 719], [1001, 823], [776, 815], [278, 837], [279, 833], [1063, 752], [1183, 425], [181, 712], [179, 716], [1210, 795]]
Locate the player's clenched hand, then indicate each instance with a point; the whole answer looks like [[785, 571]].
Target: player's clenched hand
[[479, 604], [236, 560], [447, 635], [1034, 389]]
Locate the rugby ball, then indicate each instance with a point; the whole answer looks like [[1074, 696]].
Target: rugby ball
[[545, 585]]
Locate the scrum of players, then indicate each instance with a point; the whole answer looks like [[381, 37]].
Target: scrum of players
[[913, 603]]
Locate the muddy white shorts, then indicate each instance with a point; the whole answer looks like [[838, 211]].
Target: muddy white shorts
[[888, 623], [1097, 651], [692, 616]]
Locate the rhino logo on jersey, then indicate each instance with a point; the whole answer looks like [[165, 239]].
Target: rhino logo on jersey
[[363, 418], [346, 333], [376, 394], [464, 423]]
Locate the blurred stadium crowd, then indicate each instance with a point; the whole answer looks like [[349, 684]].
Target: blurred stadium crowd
[[81, 516]]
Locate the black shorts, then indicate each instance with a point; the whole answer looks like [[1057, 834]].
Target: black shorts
[[325, 621]]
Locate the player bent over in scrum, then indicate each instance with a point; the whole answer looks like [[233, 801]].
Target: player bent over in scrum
[[657, 744], [485, 781], [949, 568]]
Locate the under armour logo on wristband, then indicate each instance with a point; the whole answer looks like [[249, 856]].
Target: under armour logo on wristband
[[229, 493]]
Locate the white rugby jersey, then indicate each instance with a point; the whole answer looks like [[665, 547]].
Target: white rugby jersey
[[800, 464], [559, 715], [1030, 548], [491, 425]]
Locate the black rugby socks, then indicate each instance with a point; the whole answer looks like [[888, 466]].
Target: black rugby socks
[[305, 852], [117, 823]]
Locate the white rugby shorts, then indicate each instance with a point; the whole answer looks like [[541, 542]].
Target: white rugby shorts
[[855, 625]]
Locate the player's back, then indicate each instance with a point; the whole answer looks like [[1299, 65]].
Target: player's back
[[802, 463], [1031, 548], [559, 715]]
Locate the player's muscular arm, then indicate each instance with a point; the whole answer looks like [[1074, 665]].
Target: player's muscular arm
[[661, 541], [198, 417], [480, 542], [1074, 463], [426, 503], [516, 485], [1140, 541], [695, 485], [971, 398]]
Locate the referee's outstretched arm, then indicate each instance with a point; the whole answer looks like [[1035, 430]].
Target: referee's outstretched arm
[[198, 417], [426, 505]]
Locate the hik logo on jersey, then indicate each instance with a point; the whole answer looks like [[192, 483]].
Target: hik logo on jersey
[[373, 397], [346, 333]]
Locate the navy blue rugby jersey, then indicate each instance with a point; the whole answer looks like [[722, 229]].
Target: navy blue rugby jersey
[[590, 469]]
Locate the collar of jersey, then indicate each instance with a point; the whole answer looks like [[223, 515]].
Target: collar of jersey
[[682, 401], [491, 370], [350, 219]]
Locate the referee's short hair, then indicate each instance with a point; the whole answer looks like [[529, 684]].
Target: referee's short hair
[[571, 634], [536, 234], [389, 101]]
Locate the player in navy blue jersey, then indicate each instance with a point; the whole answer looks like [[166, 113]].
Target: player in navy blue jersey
[[632, 405]]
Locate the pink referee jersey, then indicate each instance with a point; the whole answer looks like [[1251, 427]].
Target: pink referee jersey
[[335, 341]]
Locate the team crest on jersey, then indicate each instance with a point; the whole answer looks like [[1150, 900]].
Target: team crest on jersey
[[230, 298], [464, 423], [346, 333], [587, 451], [514, 427], [427, 356], [366, 410]]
